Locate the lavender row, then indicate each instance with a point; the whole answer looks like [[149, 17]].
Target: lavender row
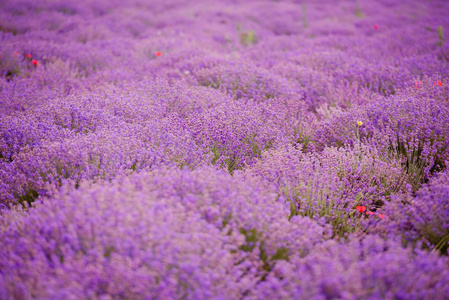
[[200, 234], [224, 149]]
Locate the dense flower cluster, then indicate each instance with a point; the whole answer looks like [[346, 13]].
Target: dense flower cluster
[[234, 149], [411, 127], [201, 234], [368, 268]]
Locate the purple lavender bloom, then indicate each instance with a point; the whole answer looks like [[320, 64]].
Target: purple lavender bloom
[[233, 149]]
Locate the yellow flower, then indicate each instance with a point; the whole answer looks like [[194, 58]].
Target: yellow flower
[[360, 123]]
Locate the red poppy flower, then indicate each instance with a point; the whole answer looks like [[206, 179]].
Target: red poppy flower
[[35, 62], [370, 213], [376, 27], [381, 216], [158, 53], [361, 208], [439, 83], [28, 55]]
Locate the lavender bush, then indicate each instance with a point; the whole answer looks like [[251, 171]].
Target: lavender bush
[[224, 149]]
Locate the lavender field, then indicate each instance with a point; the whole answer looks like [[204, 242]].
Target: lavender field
[[224, 149]]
